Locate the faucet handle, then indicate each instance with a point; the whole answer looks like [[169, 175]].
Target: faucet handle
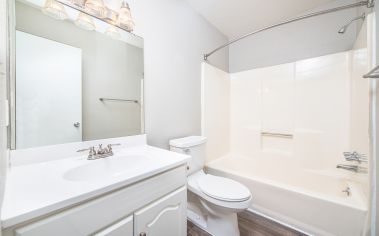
[[109, 147], [101, 150], [355, 156], [92, 151], [91, 154], [346, 154]]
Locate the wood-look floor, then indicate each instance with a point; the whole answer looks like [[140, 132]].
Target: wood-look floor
[[251, 224], [193, 230]]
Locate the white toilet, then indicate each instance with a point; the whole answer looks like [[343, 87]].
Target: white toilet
[[213, 202]]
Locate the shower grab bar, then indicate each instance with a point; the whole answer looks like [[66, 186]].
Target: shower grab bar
[[277, 135], [374, 73], [117, 99]]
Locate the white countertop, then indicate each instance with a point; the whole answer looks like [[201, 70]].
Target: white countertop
[[37, 189]]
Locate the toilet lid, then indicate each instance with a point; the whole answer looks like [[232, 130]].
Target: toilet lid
[[223, 188]]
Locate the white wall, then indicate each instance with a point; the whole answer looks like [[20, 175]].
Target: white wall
[[175, 39], [308, 99], [300, 40]]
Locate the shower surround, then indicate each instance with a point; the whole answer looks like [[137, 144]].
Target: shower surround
[[281, 131]]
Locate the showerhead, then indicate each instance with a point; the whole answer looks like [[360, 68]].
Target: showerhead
[[343, 29]]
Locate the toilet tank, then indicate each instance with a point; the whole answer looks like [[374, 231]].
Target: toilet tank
[[193, 146]]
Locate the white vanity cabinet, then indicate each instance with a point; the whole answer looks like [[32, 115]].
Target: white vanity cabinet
[[163, 217], [155, 206], [122, 228]]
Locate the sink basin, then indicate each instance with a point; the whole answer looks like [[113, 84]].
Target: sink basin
[[106, 168]]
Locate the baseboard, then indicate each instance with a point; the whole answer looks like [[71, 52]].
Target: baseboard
[[278, 221]]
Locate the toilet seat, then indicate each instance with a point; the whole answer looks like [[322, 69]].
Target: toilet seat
[[223, 189], [231, 206]]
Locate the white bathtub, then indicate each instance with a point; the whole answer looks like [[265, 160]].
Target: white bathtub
[[309, 200]]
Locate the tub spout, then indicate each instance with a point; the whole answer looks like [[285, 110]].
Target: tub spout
[[347, 191], [354, 168]]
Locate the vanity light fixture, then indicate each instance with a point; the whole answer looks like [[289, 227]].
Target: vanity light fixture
[[85, 21], [89, 9], [96, 8], [125, 17], [54, 9], [78, 3]]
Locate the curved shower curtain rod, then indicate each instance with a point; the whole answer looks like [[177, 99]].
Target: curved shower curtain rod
[[369, 4]]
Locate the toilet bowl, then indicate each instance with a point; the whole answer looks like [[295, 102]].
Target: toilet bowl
[[213, 201], [220, 200]]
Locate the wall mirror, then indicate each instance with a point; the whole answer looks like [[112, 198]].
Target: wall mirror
[[73, 79]]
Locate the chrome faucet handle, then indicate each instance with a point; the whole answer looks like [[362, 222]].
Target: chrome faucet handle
[[101, 150], [347, 154], [91, 153], [113, 144], [359, 155], [109, 148], [355, 156], [358, 159]]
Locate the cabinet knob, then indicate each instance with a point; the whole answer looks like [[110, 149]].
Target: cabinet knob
[[142, 234]]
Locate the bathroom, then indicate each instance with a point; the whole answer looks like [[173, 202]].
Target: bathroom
[[189, 117]]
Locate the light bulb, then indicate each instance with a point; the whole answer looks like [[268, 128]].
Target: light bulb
[[96, 7], [54, 9], [79, 3], [125, 17], [85, 21]]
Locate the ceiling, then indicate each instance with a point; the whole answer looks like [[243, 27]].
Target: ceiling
[[237, 17]]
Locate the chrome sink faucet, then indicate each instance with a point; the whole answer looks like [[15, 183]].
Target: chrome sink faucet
[[101, 152]]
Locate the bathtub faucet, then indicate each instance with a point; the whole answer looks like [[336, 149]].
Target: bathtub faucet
[[355, 156], [354, 168]]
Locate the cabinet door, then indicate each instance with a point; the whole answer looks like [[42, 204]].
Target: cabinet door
[[165, 217], [121, 228]]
